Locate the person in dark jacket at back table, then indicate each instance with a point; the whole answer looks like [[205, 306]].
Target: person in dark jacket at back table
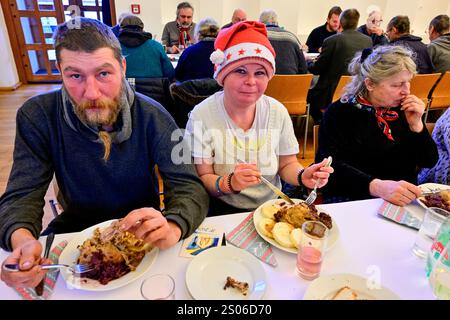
[[194, 62], [439, 47], [399, 35], [319, 34], [373, 29], [289, 57], [145, 57], [332, 63]]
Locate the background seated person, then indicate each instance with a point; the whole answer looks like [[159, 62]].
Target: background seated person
[[373, 29], [375, 133], [289, 58], [145, 57], [101, 140], [238, 16], [439, 47], [179, 34], [241, 124], [319, 34], [399, 35], [194, 62], [440, 173]]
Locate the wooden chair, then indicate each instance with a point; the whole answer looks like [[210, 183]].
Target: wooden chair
[[291, 91], [343, 81], [440, 95], [422, 84]]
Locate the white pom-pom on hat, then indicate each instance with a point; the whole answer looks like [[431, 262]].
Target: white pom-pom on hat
[[217, 57]]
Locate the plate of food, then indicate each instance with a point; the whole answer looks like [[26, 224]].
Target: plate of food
[[226, 273], [437, 195], [116, 257], [347, 287], [279, 223]]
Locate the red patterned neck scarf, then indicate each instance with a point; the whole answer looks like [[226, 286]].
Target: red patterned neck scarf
[[383, 115], [184, 38]]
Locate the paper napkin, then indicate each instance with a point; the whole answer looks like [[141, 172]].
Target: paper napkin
[[50, 279], [245, 236], [403, 215]]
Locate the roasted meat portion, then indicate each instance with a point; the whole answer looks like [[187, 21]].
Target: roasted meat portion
[[111, 253], [297, 214]]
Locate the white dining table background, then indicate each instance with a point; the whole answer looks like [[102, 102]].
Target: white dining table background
[[369, 246]]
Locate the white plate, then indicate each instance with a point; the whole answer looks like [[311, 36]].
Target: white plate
[[257, 216], [325, 287], [70, 254], [427, 187], [207, 273]]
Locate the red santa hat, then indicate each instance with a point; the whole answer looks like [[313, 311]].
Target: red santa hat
[[244, 42]]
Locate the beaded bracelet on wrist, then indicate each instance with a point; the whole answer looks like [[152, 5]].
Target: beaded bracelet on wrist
[[299, 178], [229, 184]]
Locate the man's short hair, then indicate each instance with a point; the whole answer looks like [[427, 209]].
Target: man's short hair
[[401, 23], [87, 35], [349, 19], [269, 16], [334, 10], [184, 5], [440, 24]]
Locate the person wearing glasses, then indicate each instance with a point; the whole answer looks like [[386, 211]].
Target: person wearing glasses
[[373, 29], [179, 34]]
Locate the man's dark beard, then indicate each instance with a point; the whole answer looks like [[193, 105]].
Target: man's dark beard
[[104, 103]]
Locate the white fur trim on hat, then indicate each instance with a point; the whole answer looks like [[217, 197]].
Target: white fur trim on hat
[[242, 51], [217, 57]]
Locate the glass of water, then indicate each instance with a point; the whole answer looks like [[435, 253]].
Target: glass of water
[[432, 221]]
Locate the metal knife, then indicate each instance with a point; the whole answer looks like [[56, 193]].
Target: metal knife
[[48, 244], [277, 191]]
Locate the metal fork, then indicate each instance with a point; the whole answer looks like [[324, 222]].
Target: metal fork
[[313, 195], [76, 268]]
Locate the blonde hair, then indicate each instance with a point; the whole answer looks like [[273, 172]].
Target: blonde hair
[[382, 63], [106, 140]]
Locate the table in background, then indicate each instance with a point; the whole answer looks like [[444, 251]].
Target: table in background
[[174, 57], [368, 245]]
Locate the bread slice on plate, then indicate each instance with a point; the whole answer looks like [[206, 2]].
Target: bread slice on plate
[[345, 293]]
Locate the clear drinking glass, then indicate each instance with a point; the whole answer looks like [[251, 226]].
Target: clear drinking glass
[[311, 249], [158, 287], [433, 219]]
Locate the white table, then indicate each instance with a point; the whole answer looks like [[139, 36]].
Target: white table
[[368, 243], [174, 57]]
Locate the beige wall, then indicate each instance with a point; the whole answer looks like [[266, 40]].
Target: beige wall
[[8, 75], [298, 16]]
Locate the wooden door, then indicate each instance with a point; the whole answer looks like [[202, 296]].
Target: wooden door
[[31, 24]]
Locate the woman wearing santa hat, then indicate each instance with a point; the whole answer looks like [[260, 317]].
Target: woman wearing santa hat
[[238, 135]]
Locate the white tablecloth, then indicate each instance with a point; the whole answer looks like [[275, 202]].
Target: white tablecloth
[[368, 243]]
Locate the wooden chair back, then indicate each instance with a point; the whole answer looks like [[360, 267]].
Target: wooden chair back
[[291, 91], [343, 81]]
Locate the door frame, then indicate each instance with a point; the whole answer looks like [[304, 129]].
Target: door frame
[[14, 38]]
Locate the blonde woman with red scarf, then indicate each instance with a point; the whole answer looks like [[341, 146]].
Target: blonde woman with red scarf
[[375, 133]]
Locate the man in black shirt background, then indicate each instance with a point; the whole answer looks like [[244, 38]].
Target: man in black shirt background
[[316, 37]]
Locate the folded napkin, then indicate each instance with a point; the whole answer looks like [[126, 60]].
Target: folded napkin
[[403, 215], [245, 236], [50, 278]]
